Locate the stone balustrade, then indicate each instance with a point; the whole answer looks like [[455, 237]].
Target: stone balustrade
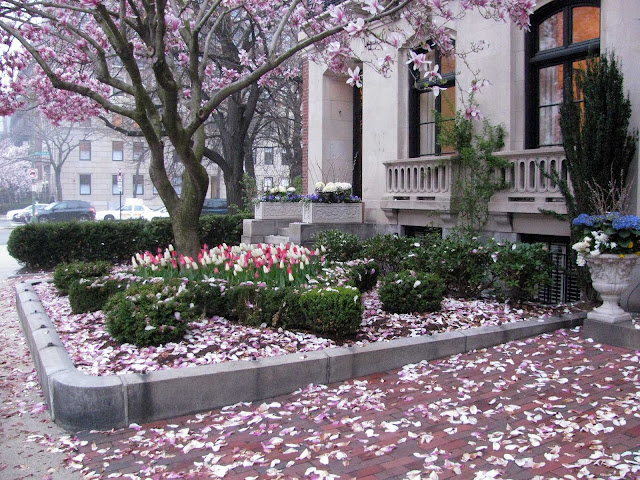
[[427, 183]]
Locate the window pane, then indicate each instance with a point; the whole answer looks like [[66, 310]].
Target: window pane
[[427, 106], [115, 189], [268, 182], [138, 151], [448, 64], [117, 154], [85, 184], [428, 139], [85, 150], [550, 133], [551, 83], [138, 184], [268, 156], [577, 67], [550, 32], [586, 23]]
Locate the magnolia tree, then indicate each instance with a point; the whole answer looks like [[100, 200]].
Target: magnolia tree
[[162, 63], [14, 162]]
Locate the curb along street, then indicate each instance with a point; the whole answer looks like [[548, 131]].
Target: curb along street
[[78, 401]]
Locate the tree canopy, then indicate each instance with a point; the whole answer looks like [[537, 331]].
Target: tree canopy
[[168, 65]]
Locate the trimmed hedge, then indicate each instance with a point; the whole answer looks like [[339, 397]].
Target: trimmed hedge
[[49, 244]]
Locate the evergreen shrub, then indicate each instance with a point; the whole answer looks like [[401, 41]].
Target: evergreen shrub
[[91, 294], [66, 274], [334, 311], [46, 245], [411, 292], [461, 260], [388, 250], [149, 314], [339, 246], [255, 305], [520, 269], [363, 274]]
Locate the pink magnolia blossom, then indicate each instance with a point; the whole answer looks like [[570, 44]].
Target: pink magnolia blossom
[[354, 77]]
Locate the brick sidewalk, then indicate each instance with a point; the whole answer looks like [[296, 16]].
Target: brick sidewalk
[[554, 406]]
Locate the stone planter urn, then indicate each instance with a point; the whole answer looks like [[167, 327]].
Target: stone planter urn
[[610, 275], [291, 211], [332, 213]]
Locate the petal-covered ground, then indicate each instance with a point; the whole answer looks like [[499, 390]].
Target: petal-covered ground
[[217, 340], [550, 407]]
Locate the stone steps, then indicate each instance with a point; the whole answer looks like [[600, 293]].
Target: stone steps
[[276, 239]]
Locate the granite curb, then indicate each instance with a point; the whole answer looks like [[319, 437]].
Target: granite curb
[[78, 401]]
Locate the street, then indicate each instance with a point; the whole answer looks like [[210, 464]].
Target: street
[[8, 265], [6, 227]]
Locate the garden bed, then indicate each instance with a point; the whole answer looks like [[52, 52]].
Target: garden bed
[[216, 340]]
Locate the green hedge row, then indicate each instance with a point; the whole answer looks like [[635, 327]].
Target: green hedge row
[[46, 245]]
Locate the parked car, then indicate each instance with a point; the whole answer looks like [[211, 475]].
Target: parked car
[[24, 215], [130, 211], [13, 213], [66, 211], [215, 206]]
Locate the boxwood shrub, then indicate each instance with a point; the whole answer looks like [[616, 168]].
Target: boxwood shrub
[[411, 292], [255, 305], [91, 294], [149, 314], [46, 245], [66, 274], [333, 311]]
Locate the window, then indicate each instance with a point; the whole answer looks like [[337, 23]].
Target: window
[[177, 184], [268, 183], [563, 34], [138, 151], [284, 182], [138, 185], [423, 130], [117, 151], [115, 187], [268, 155], [85, 184], [85, 150]]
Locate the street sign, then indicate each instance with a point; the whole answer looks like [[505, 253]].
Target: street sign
[[120, 180], [32, 173]]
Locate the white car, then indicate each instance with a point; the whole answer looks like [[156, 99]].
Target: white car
[[27, 209], [130, 211]]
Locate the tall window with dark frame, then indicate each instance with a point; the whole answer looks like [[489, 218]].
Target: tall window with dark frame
[[85, 184], [85, 150], [563, 35], [138, 151], [117, 151], [423, 102], [268, 155], [138, 185], [115, 186]]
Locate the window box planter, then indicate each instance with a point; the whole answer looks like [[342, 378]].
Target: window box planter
[[332, 213], [279, 211]]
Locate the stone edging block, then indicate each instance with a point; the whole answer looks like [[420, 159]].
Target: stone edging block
[[78, 401]]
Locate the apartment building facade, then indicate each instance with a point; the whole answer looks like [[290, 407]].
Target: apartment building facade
[[382, 137]]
